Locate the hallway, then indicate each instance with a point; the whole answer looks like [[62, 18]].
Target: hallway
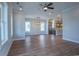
[[43, 45]]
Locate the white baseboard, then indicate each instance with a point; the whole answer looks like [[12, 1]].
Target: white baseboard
[[19, 38], [5, 48], [71, 40], [9, 47]]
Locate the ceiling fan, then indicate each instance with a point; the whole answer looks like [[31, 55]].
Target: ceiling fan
[[47, 6], [19, 6]]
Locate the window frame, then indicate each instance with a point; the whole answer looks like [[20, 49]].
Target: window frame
[[0, 24], [4, 24]]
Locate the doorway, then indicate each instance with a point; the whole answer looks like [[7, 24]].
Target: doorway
[[27, 27], [51, 27]]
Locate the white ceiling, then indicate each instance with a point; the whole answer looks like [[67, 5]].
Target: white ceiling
[[33, 9]]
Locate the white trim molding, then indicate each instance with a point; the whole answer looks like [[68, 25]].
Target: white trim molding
[[71, 40]]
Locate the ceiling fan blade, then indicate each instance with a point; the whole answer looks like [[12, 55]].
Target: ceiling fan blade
[[17, 3], [49, 4], [41, 5], [50, 7]]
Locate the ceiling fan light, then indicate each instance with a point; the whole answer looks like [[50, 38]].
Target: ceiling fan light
[[45, 8], [20, 9]]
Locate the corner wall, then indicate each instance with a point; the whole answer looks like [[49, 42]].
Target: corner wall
[[71, 24]]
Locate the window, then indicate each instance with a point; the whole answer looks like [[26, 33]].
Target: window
[[0, 25], [53, 23], [3, 23], [27, 26], [42, 26]]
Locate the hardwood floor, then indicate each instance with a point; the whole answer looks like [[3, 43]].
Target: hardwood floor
[[43, 45]]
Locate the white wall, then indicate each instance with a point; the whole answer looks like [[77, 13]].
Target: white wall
[[19, 26], [71, 24], [35, 26], [5, 48]]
